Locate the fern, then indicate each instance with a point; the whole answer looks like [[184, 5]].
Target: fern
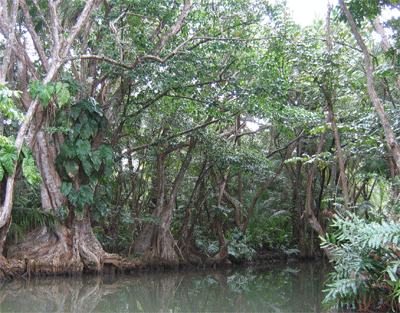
[[366, 261], [26, 213]]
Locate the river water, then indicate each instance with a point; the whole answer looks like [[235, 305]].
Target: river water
[[293, 287]]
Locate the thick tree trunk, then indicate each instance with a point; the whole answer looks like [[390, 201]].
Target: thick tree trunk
[[221, 258], [51, 196], [60, 47], [62, 250]]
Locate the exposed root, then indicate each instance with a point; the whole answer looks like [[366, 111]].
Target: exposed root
[[221, 258], [58, 252], [47, 252]]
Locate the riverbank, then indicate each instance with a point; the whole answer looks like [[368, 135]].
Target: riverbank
[[25, 267]]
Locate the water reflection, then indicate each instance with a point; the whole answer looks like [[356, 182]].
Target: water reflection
[[289, 288]]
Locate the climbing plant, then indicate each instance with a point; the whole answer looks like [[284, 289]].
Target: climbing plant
[[85, 120]]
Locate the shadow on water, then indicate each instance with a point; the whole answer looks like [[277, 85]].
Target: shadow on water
[[269, 288]]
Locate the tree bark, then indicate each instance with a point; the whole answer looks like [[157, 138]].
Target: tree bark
[[58, 49], [329, 97], [222, 256], [390, 137], [156, 241], [309, 213], [184, 242], [11, 20], [385, 44]]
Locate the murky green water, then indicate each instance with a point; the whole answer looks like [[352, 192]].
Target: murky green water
[[286, 288]]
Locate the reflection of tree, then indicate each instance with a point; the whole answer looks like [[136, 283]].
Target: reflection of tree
[[267, 289], [56, 294]]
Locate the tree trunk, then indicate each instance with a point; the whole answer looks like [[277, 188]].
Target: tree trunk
[[385, 44], [309, 213], [60, 47], [156, 242], [329, 97], [184, 241], [390, 137], [66, 249], [222, 256], [343, 176], [298, 204]]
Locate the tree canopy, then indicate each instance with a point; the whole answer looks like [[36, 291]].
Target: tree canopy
[[176, 133]]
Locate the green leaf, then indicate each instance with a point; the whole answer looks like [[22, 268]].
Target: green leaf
[[30, 171], [86, 194], [96, 159], [87, 164], [83, 148], [63, 95], [93, 126], [72, 168], [79, 208], [59, 85], [45, 96], [86, 130], [75, 131], [107, 153], [103, 125], [102, 208], [92, 106], [71, 151], [1, 173], [108, 170], [80, 204], [50, 88], [35, 87], [73, 197], [8, 156], [63, 210], [96, 215], [66, 188], [25, 151], [83, 118], [75, 111], [67, 150]]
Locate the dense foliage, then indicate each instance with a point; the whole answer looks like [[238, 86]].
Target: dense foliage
[[201, 132]]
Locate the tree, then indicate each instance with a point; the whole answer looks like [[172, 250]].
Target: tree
[[87, 73], [389, 134]]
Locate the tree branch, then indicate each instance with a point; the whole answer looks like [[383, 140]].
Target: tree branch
[[35, 38], [175, 28], [387, 127], [83, 17], [10, 35], [155, 143], [283, 148]]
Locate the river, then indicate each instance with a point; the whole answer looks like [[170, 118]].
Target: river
[[295, 287]]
